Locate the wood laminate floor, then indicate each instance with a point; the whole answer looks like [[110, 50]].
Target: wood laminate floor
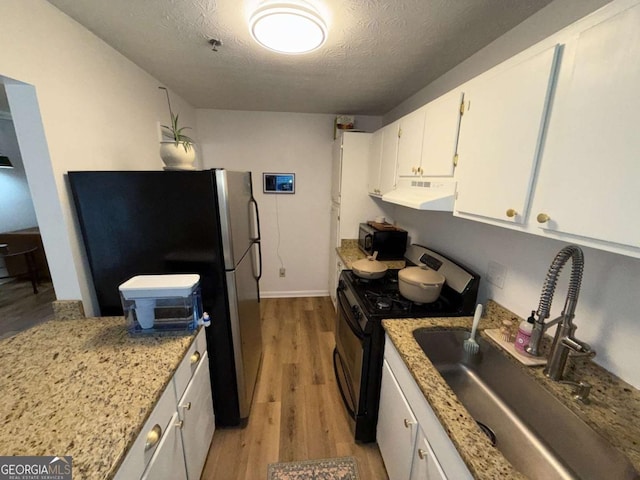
[[20, 308], [297, 412]]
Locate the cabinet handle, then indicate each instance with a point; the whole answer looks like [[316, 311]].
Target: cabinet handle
[[420, 171], [179, 424], [153, 437], [195, 358], [187, 406], [543, 218], [422, 454], [511, 213], [407, 423]]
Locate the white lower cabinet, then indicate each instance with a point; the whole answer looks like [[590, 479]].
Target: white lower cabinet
[[175, 440], [425, 466], [336, 268], [397, 427], [196, 413], [413, 443], [168, 460]]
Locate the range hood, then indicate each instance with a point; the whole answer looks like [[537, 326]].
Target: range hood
[[423, 194]]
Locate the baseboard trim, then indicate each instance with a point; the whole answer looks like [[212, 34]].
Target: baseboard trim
[[295, 294]]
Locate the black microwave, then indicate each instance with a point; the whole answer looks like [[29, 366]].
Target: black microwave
[[390, 242]]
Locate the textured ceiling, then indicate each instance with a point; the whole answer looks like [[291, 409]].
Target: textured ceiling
[[378, 53]]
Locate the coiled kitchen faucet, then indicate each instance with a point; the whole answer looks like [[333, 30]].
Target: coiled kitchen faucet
[[564, 342]]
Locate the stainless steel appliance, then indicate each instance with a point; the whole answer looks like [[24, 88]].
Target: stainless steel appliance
[[203, 222], [363, 304], [389, 241]]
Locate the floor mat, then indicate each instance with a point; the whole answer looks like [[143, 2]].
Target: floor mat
[[344, 468]]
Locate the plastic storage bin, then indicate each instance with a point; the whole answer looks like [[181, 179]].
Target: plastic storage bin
[[162, 303]]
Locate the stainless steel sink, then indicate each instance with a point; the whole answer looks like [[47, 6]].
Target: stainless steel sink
[[540, 436]]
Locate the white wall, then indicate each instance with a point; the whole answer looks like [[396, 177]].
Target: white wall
[[294, 227], [607, 314], [83, 106], [16, 207]]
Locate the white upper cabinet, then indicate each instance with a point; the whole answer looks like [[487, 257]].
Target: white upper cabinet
[[428, 138], [500, 137], [389, 158], [440, 139], [588, 183], [336, 170], [375, 164], [410, 143]]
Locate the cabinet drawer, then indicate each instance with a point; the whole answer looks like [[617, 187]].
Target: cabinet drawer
[[189, 363], [140, 453]]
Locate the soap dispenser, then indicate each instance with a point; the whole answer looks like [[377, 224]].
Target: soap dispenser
[[524, 332]]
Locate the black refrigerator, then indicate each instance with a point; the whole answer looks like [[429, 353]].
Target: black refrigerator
[[204, 222]]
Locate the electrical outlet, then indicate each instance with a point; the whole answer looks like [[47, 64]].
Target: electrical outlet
[[496, 274], [283, 272]]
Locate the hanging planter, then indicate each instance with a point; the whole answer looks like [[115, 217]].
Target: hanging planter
[[178, 152]]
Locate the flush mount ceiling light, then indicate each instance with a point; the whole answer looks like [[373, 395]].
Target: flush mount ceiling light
[[288, 27]]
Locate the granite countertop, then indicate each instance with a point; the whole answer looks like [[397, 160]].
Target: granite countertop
[[349, 252], [83, 388], [613, 412]]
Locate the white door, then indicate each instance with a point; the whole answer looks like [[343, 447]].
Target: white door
[[167, 462], [397, 427], [500, 136], [588, 182], [375, 160], [425, 464], [441, 126], [410, 143], [336, 169], [389, 158], [196, 412]]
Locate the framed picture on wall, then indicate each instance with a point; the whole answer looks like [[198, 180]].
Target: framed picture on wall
[[279, 183]]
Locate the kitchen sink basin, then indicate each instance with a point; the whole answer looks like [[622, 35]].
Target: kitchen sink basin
[[539, 435]]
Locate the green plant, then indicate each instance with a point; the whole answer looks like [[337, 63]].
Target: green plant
[[174, 131]]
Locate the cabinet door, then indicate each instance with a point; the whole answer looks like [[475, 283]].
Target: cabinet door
[[500, 136], [440, 139], [198, 421], [375, 160], [389, 158], [410, 143], [336, 169], [588, 180], [168, 459], [397, 427], [143, 449], [334, 275], [425, 464]]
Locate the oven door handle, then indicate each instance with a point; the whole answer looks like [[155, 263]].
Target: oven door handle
[[336, 358], [351, 322]]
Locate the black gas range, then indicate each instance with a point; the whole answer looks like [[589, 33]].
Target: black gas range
[[362, 304], [381, 298]]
